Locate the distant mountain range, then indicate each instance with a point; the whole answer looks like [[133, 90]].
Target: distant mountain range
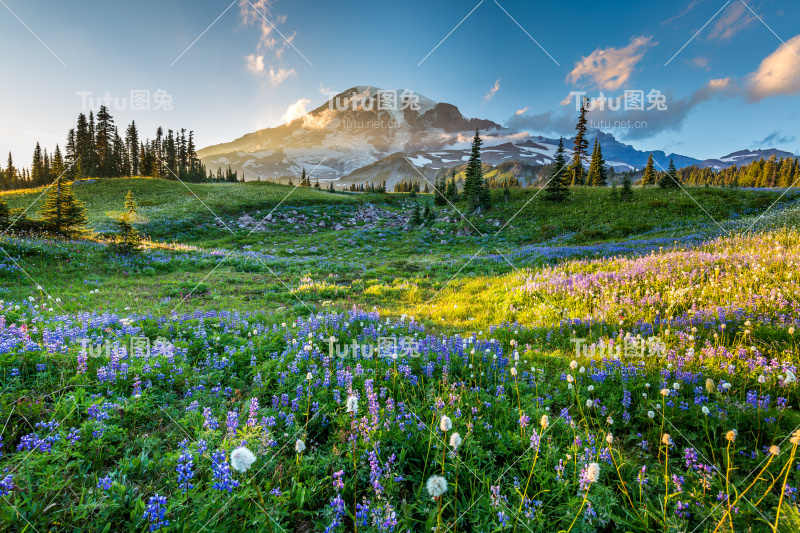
[[363, 135]]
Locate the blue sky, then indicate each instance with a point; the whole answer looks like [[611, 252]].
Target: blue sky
[[734, 86]]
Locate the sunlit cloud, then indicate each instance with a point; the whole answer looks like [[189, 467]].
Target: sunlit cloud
[[736, 18], [779, 73], [276, 77], [521, 111], [610, 68], [492, 91]]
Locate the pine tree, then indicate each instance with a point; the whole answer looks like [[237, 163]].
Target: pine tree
[[649, 177], [597, 168], [132, 146], [62, 211], [10, 173], [557, 189], [476, 192], [416, 217], [37, 168], [127, 239], [670, 179], [576, 170], [626, 194]]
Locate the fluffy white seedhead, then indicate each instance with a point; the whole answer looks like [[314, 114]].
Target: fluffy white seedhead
[[299, 446], [445, 424], [455, 440], [242, 459], [436, 485], [352, 404], [593, 472], [544, 422]]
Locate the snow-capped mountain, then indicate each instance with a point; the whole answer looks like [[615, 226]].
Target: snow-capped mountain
[[367, 134], [355, 128]]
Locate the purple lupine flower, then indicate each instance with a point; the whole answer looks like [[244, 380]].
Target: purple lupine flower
[[185, 472], [209, 421], [6, 484], [104, 483], [222, 472], [155, 512]]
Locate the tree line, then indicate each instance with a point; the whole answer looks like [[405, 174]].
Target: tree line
[[95, 149]]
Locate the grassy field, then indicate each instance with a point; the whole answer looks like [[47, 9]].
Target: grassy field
[[592, 366]]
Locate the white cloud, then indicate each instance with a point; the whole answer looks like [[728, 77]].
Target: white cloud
[[276, 77], [492, 91], [255, 63], [521, 111], [779, 73], [736, 18], [610, 68], [296, 110]]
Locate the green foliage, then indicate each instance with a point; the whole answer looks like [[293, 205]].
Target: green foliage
[[476, 192], [557, 188], [62, 211], [670, 178], [127, 240]]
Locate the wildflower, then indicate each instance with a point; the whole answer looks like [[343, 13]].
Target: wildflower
[[676, 386], [774, 450], [573, 365], [664, 392], [666, 439], [241, 459], [593, 473], [570, 379], [582, 369], [309, 376], [589, 404], [299, 446], [610, 420], [155, 511], [795, 438], [730, 436], [790, 377], [455, 440], [352, 404], [544, 422], [609, 438], [651, 414], [705, 410], [791, 330], [726, 385], [436, 485], [185, 472], [762, 379], [445, 424], [590, 388], [104, 483], [513, 371]]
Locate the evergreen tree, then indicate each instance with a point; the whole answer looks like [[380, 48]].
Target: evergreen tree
[[416, 217], [476, 193], [649, 177], [37, 168], [557, 189], [597, 168], [576, 170], [57, 166], [440, 190], [5, 214], [11, 173], [127, 239], [626, 194], [670, 180], [62, 211], [132, 147]]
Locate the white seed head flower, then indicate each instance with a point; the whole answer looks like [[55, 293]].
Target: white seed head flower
[[589, 404], [762, 378], [666, 439], [445, 424], [791, 330], [309, 376], [676, 386], [573, 365], [582, 369], [610, 420], [590, 388], [241, 459], [775, 450], [790, 377], [513, 371], [651, 414], [570, 379], [610, 438], [726, 385], [299, 446], [436, 485], [593, 472], [544, 422], [455, 440], [730, 436], [795, 438], [352, 404], [664, 392], [705, 410]]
